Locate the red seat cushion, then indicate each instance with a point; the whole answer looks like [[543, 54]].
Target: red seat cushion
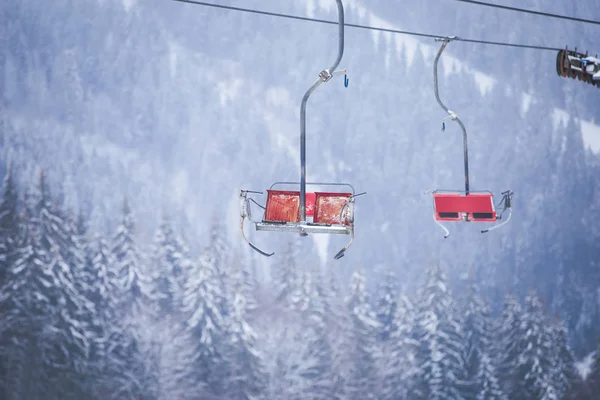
[[284, 205], [328, 207], [450, 206]]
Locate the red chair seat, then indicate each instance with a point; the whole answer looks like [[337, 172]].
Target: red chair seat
[[284, 205], [451, 206], [328, 207], [324, 207]]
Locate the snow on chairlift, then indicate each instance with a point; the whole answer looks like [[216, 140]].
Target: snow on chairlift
[[575, 65], [298, 211], [467, 205]]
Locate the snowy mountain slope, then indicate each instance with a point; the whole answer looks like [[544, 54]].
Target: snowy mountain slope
[[397, 44]]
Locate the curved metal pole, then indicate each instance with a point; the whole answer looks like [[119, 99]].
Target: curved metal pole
[[335, 64], [451, 113], [324, 76]]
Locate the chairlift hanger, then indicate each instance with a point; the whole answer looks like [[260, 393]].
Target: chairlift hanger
[[300, 212], [575, 65], [467, 205]]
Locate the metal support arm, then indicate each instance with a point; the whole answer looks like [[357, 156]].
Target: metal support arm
[[452, 115], [324, 76]]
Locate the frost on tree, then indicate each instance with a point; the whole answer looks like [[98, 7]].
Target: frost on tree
[[438, 331], [202, 307], [246, 378], [509, 344], [9, 223], [481, 379], [44, 307], [133, 283], [361, 376], [171, 266], [285, 275], [534, 364]]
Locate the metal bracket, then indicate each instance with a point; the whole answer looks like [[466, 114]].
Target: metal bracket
[[325, 75], [447, 38]]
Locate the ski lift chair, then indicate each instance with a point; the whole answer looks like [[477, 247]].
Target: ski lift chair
[[299, 211], [467, 205]]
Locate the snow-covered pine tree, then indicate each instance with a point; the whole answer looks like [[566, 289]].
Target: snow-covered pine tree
[[9, 239], [43, 308], [481, 376], [246, 379], [361, 381], [386, 306], [534, 366], [171, 264], [386, 312], [338, 320], [218, 250], [398, 368], [134, 292], [437, 329], [104, 288], [205, 326], [393, 352], [592, 384], [68, 342], [236, 272], [298, 340], [564, 373], [126, 366], [26, 309], [285, 275], [297, 348], [9, 223], [310, 306], [509, 346]]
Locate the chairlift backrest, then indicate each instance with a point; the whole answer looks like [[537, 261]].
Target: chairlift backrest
[[284, 205], [329, 206], [477, 206]]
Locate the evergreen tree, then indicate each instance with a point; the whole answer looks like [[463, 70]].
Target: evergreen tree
[[316, 352], [564, 373], [362, 376], [509, 344], [439, 334], [338, 320], [69, 340], [26, 309], [171, 264], [285, 276], [535, 360], [206, 328], [134, 290], [481, 379], [9, 223], [9, 240], [237, 273], [104, 288], [592, 384], [246, 379], [45, 308], [386, 307], [399, 369]]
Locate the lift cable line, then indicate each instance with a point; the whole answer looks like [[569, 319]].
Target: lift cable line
[[545, 14], [373, 28]]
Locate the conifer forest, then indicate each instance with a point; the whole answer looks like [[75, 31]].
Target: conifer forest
[[128, 128]]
